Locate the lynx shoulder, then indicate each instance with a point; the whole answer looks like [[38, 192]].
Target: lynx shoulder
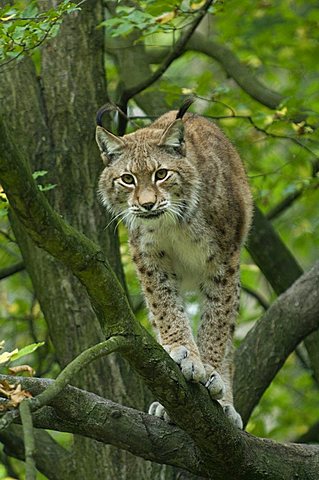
[[181, 188]]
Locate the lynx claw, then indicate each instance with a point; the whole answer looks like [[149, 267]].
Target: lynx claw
[[233, 416], [157, 410], [215, 386], [191, 366]]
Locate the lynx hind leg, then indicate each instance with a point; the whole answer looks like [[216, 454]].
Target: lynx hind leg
[[157, 410], [233, 415], [214, 383], [226, 400], [228, 374]]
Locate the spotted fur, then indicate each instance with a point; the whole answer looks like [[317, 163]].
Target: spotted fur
[[180, 187]]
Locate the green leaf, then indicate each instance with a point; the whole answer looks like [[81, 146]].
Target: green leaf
[[39, 173], [46, 188], [27, 350]]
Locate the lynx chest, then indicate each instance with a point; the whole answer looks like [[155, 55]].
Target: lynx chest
[[182, 253]]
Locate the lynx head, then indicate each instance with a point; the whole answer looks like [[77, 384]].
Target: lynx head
[[148, 176]]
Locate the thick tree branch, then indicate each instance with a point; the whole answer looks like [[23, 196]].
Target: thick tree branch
[[235, 69], [271, 255], [87, 414], [51, 459], [280, 268], [84, 413], [293, 316]]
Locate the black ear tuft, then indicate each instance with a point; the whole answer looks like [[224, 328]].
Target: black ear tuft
[[185, 106], [108, 107]]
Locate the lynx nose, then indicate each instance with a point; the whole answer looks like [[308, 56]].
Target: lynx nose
[[148, 205]]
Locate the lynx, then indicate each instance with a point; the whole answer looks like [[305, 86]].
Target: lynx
[[181, 189]]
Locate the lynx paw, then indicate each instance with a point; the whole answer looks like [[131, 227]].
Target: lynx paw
[[158, 410], [233, 416], [190, 365], [215, 386]]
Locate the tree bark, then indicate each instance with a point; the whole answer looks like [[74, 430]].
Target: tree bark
[[52, 120], [84, 413], [292, 317], [280, 268]]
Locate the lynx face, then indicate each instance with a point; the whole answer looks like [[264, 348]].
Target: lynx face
[[147, 176]]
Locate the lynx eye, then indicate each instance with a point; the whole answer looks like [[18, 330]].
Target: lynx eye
[[128, 179], [161, 174]]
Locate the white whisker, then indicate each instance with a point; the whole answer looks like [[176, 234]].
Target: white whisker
[[113, 220]]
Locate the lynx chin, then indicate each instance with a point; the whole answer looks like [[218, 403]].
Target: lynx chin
[[181, 189]]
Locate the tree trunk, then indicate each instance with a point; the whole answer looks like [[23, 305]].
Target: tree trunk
[[52, 119]]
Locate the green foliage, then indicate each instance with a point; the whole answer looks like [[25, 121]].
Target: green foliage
[[16, 354], [3, 204], [46, 187], [23, 27], [150, 17], [26, 350], [289, 406]]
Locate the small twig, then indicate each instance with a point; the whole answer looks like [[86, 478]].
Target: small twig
[[8, 271], [86, 357], [7, 236], [284, 204], [176, 52], [29, 441], [81, 361], [257, 296], [290, 199], [8, 418]]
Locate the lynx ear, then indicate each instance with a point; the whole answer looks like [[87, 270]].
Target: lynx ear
[[108, 144], [173, 136]]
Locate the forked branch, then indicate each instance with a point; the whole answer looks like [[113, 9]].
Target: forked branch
[[228, 452]]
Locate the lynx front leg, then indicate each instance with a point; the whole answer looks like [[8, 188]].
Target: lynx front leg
[[171, 322], [168, 315]]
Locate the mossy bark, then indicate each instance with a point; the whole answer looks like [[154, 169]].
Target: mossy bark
[[51, 117]]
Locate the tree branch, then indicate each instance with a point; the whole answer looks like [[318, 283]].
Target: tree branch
[[271, 255], [8, 271], [29, 440], [81, 361], [285, 203], [84, 413], [51, 459], [179, 46], [235, 69], [279, 267], [256, 295], [293, 316]]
